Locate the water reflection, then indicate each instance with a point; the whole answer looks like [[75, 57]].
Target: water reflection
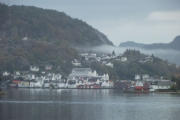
[[72, 104]]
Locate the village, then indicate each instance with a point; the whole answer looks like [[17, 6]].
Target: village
[[84, 77]]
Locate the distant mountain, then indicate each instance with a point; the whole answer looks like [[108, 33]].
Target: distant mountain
[[175, 44], [31, 35]]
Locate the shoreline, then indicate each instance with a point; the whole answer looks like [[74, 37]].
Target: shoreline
[[123, 91]]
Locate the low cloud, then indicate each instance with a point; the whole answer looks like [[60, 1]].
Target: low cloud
[[164, 16]]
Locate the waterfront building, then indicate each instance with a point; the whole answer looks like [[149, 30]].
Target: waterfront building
[[24, 84], [161, 85], [87, 78]]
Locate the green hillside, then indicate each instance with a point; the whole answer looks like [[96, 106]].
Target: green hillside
[[47, 25], [31, 35]]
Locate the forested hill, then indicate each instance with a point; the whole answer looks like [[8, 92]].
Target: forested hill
[[137, 63], [48, 25], [35, 36]]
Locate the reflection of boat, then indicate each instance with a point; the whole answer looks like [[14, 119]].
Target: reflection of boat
[[139, 85]]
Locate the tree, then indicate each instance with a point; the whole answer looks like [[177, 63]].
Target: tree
[[113, 53], [177, 80]]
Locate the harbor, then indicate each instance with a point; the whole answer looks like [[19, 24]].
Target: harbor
[[85, 78]]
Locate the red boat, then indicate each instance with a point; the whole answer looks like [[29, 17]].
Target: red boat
[[139, 85]]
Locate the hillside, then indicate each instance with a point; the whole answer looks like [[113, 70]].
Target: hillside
[[175, 44], [137, 63], [31, 35], [48, 25]]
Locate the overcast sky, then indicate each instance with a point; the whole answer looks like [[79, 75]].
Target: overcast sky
[[145, 21]]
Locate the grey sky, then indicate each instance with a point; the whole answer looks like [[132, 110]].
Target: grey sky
[[146, 21]]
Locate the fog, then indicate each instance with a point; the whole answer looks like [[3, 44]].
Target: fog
[[172, 56]]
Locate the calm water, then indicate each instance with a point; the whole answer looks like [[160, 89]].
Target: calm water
[[72, 104]]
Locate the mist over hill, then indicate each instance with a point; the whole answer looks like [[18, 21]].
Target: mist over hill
[[35, 36], [167, 51], [175, 44], [171, 55]]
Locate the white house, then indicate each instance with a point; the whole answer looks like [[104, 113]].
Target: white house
[[164, 84], [109, 64], [25, 38], [161, 84], [23, 84], [75, 62], [36, 84], [31, 76], [83, 72], [137, 77], [105, 77], [34, 68], [17, 73], [145, 76], [123, 59], [6, 73]]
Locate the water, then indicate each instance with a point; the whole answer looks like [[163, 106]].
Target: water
[[74, 104]]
